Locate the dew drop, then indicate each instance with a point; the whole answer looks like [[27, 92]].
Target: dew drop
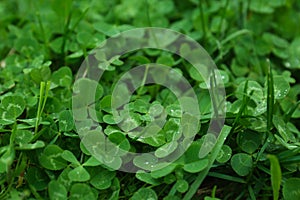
[[287, 64]]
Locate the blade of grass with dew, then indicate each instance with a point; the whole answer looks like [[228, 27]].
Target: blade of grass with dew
[[275, 175], [270, 98], [270, 106], [214, 153]]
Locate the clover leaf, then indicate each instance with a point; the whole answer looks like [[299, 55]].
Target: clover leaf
[[147, 161], [102, 178], [294, 52], [147, 178], [281, 87], [82, 191], [249, 141], [291, 188], [144, 194], [224, 154], [69, 156], [166, 149], [66, 122], [62, 77], [79, 174], [51, 158], [241, 163], [196, 166], [57, 191], [37, 178], [12, 107], [163, 171], [182, 186]]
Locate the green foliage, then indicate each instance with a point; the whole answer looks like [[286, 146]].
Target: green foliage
[[291, 189], [275, 175], [255, 45], [144, 193], [51, 158], [57, 190]]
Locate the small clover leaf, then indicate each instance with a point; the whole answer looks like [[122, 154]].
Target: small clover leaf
[[82, 191], [241, 163], [144, 194], [141, 106], [294, 52], [146, 161], [281, 87], [37, 145], [130, 122], [69, 156], [120, 141], [66, 122], [110, 119], [87, 91], [37, 178], [224, 154], [147, 178], [102, 178], [249, 141], [12, 107], [62, 77], [163, 171], [174, 110], [166, 149], [51, 158], [156, 109], [197, 166], [92, 161], [79, 174], [23, 136], [291, 188], [182, 186], [57, 191]]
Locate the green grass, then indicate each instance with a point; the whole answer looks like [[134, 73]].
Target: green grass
[[47, 105]]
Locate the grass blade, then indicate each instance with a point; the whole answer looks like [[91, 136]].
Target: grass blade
[[251, 193], [275, 176], [226, 177], [214, 153], [270, 109], [44, 90], [270, 98]]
